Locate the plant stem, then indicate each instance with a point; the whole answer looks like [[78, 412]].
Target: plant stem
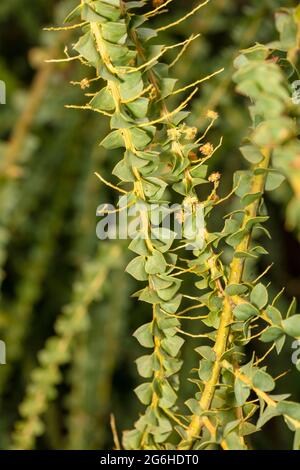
[[235, 276], [22, 127]]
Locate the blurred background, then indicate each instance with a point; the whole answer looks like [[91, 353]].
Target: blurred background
[[52, 266]]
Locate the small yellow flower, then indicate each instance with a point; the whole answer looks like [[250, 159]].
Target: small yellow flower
[[212, 114], [207, 149], [214, 177], [190, 201], [191, 132], [84, 83], [174, 133]]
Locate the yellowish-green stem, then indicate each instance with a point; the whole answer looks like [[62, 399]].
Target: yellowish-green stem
[[235, 276]]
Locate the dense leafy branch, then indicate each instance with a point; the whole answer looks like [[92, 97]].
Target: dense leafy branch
[[162, 158], [59, 349]]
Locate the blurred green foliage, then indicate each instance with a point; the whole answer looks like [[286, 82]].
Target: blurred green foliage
[[49, 196]]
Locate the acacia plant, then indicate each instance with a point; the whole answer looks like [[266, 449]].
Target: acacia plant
[[164, 159]]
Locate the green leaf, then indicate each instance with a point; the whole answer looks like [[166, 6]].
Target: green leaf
[[172, 366], [172, 305], [86, 47], [149, 295], [229, 427], [139, 246], [289, 408], [206, 352], [271, 334], [234, 239], [103, 100], [244, 254], [155, 263], [274, 131], [205, 370], [119, 55], [199, 171], [136, 268], [168, 396], [202, 284], [167, 86], [154, 187], [245, 429], [236, 289], [168, 293], [162, 238], [131, 85], [165, 322], [251, 153], [260, 250], [279, 343], [123, 172], [291, 326], [263, 381], [292, 308], [140, 138], [245, 311], [144, 335], [249, 198], [233, 441], [132, 439], [161, 282], [164, 424], [131, 5], [121, 121], [109, 10], [259, 296], [139, 107], [194, 406], [253, 221], [287, 28], [240, 61], [274, 315], [273, 180], [144, 393], [241, 391], [145, 366], [269, 413], [146, 33], [114, 140], [115, 32], [75, 13], [172, 345]]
